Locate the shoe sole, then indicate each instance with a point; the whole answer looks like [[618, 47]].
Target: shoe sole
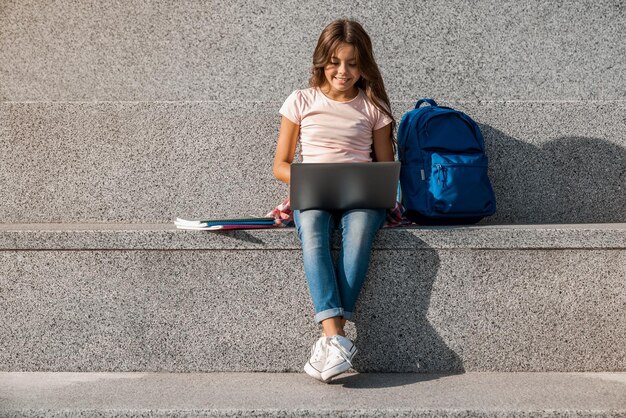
[[326, 375]]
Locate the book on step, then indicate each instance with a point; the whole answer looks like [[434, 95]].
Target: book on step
[[226, 224]]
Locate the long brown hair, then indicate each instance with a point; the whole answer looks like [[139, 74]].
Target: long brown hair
[[371, 81]]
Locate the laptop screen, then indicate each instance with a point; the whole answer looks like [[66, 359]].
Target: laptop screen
[[344, 186]]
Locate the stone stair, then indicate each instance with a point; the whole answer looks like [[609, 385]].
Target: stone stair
[[296, 395], [117, 118], [153, 298]]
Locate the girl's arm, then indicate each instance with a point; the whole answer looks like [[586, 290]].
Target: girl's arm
[[285, 149], [382, 144]]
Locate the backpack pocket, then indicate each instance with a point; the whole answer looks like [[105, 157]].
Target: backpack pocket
[[459, 185]]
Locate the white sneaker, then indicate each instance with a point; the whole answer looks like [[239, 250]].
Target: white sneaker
[[314, 366], [341, 351]]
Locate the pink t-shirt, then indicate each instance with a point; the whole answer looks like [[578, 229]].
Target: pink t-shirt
[[332, 131]]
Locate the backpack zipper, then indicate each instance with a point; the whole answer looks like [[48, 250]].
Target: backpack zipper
[[442, 175]]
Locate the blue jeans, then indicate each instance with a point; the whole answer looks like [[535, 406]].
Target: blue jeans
[[335, 294]]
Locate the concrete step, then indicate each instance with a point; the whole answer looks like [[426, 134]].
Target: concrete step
[[190, 50], [550, 162], [152, 298], [298, 395], [147, 236]]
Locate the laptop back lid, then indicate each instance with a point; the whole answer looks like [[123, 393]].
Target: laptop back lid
[[344, 186]]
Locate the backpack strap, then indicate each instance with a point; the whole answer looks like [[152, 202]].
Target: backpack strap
[[406, 125], [424, 100]]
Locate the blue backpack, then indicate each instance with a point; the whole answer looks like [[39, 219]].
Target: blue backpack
[[443, 175]]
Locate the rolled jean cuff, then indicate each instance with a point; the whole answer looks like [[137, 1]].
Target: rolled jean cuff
[[347, 315], [328, 313]]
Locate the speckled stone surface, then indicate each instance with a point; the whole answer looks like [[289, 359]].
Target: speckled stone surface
[[260, 50], [296, 394], [112, 236], [550, 162], [420, 310]]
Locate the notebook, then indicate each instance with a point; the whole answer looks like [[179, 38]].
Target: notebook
[[343, 186], [226, 224]]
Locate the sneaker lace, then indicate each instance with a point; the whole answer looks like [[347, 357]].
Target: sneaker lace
[[339, 351]]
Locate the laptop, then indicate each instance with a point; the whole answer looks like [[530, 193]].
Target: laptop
[[342, 186]]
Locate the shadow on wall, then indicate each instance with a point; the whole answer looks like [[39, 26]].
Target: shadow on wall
[[393, 333], [566, 180]]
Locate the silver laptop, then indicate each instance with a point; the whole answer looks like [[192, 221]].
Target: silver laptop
[[344, 186]]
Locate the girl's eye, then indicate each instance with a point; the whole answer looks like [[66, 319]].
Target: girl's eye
[[336, 63]]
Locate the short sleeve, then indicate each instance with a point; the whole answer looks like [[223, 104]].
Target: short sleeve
[[291, 109], [381, 119]]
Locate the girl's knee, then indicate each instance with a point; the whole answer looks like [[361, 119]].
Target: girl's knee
[[364, 219], [312, 224]]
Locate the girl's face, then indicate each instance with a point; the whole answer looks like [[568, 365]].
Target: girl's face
[[342, 72]]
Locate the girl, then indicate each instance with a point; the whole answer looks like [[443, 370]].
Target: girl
[[344, 116]]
